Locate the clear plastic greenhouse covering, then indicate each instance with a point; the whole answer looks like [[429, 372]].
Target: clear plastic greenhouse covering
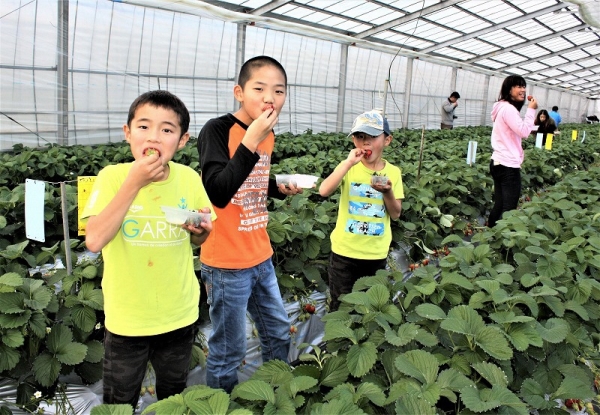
[[70, 80]]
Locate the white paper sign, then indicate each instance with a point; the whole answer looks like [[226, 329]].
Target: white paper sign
[[471, 152], [34, 210], [538, 140]]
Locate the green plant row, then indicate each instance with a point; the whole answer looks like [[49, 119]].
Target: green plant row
[[507, 323], [51, 322]]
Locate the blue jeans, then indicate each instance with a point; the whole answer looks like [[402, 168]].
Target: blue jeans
[[507, 190], [230, 292]]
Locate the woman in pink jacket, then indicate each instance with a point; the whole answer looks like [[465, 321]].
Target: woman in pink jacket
[[507, 156]]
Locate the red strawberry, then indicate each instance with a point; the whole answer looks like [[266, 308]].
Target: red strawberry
[[293, 330], [529, 97], [425, 262], [150, 151], [368, 153], [310, 308]]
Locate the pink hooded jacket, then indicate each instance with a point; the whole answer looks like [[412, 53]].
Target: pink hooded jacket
[[508, 131]]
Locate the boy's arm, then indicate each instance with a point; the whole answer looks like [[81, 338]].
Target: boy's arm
[[103, 227], [332, 182], [392, 205], [222, 176]]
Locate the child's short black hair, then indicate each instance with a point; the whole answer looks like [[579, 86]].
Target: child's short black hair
[[256, 63], [162, 99], [555, 108], [509, 82]]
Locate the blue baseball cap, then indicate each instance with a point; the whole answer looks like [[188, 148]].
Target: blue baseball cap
[[372, 123]]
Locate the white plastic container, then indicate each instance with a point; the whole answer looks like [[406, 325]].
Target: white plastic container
[[303, 181], [178, 216], [379, 180]]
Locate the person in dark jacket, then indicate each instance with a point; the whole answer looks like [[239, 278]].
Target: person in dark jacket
[[545, 124], [448, 108]]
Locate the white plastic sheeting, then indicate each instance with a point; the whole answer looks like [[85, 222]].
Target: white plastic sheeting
[[117, 51]]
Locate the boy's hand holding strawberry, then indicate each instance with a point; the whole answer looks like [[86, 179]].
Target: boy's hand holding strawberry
[[260, 128]]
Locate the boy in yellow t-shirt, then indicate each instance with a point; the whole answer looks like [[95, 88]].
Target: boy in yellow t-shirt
[[361, 239], [151, 292]]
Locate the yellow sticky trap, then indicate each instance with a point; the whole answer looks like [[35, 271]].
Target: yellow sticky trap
[[573, 135], [549, 138], [84, 189]]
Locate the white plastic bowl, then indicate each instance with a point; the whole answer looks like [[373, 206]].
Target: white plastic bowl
[[178, 216], [299, 180], [379, 180]]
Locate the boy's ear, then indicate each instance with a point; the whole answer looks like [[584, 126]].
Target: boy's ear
[[127, 132], [388, 139], [238, 93], [183, 141]]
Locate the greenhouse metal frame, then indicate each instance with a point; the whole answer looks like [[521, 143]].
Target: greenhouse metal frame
[[70, 69]]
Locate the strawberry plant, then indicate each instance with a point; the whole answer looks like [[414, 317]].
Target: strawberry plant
[[491, 320]]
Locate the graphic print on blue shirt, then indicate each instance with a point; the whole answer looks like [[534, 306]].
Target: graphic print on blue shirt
[[364, 190], [364, 228], [366, 209]]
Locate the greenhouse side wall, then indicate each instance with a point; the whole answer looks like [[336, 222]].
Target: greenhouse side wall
[[117, 51]]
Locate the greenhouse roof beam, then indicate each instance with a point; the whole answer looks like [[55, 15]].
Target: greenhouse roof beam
[[269, 6], [560, 52], [406, 18], [590, 69], [528, 43], [494, 28]]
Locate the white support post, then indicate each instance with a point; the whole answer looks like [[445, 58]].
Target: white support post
[[407, 91], [341, 104]]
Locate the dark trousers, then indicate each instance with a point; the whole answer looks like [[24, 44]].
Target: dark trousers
[[446, 127], [126, 359], [343, 273], [507, 190]]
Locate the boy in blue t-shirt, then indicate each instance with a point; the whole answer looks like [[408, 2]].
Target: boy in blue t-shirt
[[361, 239]]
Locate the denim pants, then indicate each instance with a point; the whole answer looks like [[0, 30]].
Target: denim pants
[[507, 190], [230, 292], [126, 360]]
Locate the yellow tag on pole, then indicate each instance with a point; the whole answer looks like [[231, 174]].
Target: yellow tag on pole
[[84, 189], [573, 135], [549, 137]]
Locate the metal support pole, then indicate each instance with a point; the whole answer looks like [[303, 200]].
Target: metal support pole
[[240, 55], [65, 218], [407, 91], [385, 91], [486, 97], [62, 67], [453, 80], [341, 104]]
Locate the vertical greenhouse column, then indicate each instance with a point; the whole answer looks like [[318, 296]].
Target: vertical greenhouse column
[[239, 54], [407, 88], [62, 79], [486, 90], [342, 87]]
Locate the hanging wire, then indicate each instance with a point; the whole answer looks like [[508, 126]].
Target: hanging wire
[[17, 122], [388, 83]]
